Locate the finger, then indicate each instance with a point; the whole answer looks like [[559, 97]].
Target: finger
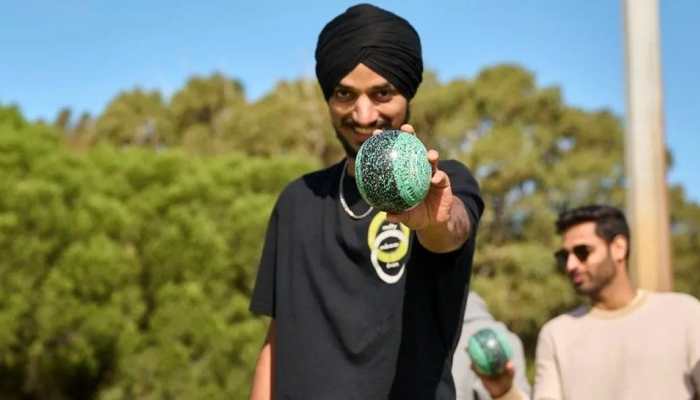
[[440, 179], [476, 371], [408, 128], [433, 158], [393, 218], [433, 155], [509, 369]]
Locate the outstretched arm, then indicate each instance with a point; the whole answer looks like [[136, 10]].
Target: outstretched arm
[[441, 221]]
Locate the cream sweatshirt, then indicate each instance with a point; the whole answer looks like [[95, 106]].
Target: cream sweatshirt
[[649, 349]]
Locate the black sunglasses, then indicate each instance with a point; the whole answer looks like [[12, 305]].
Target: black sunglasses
[[581, 252]]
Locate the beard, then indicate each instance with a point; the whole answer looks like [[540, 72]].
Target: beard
[[604, 274], [350, 151]]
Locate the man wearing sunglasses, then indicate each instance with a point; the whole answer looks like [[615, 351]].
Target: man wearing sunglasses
[[626, 343]]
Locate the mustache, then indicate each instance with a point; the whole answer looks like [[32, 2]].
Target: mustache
[[379, 124]]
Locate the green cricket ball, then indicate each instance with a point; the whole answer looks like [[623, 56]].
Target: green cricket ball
[[392, 171], [489, 350]]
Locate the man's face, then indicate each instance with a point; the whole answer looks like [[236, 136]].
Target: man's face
[[597, 270], [362, 102]]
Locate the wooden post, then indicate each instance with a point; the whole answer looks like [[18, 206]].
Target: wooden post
[[645, 150]]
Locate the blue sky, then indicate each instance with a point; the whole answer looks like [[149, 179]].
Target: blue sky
[[80, 54]]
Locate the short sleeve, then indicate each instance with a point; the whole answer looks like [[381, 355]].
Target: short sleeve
[[263, 299]]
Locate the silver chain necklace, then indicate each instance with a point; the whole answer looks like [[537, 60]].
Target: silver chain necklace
[[342, 198]]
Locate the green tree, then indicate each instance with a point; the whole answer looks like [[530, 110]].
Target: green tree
[[126, 273], [136, 117], [685, 242], [198, 108], [293, 118]]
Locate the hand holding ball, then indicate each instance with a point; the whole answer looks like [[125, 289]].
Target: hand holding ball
[[392, 171], [490, 351]]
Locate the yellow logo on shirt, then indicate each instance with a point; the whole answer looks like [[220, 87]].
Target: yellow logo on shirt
[[388, 243]]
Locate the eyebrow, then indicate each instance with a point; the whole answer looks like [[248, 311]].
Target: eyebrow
[[383, 86]]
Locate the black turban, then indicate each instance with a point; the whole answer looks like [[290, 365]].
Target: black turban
[[383, 41]]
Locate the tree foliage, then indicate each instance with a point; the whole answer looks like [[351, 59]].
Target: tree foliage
[[126, 273], [130, 240]]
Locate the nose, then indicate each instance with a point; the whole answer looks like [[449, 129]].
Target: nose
[[365, 112], [572, 263]]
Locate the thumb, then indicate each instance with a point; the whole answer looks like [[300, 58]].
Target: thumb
[[509, 369]]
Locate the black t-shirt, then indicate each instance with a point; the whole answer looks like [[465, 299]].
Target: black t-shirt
[[362, 310]]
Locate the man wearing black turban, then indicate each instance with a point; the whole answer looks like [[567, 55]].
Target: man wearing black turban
[[364, 304]]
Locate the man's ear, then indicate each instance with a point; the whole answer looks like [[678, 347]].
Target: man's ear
[[619, 248]]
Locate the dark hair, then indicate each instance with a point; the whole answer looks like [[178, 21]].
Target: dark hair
[[609, 221]]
